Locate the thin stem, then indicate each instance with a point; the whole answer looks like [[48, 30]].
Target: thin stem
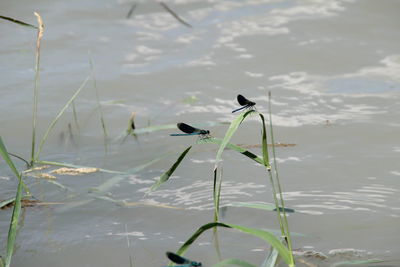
[[287, 234], [36, 87]]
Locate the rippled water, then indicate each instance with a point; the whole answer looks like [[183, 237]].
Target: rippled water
[[333, 68]]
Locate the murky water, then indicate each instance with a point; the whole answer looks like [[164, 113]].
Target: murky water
[[333, 68]]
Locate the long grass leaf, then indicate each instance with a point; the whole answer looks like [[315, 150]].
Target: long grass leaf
[[154, 128], [6, 202], [18, 22], [282, 203], [169, 10], [12, 232], [36, 87], [229, 133], [237, 262], [102, 121], [6, 157], [266, 236], [272, 259], [53, 123], [234, 147], [169, 172], [4, 153]]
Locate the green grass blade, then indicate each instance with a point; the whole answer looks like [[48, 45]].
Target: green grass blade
[[237, 262], [261, 206], [36, 87], [282, 203], [269, 238], [1, 261], [264, 143], [154, 128], [10, 163], [53, 123], [234, 147], [272, 259], [18, 22], [266, 236], [12, 232], [107, 185], [229, 133], [6, 202], [102, 121], [169, 172], [356, 262], [6, 157]]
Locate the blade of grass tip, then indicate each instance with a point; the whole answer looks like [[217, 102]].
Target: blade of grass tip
[[36, 87], [130, 12], [266, 236], [103, 124], [10, 163], [53, 123], [170, 11], [131, 127], [18, 22], [286, 224], [165, 176], [6, 202], [229, 133], [237, 262]]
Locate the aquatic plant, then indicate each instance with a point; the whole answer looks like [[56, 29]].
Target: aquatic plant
[[12, 232], [281, 247]]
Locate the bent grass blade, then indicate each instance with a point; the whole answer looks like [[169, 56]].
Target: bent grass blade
[[18, 22], [53, 123], [169, 172], [266, 236]]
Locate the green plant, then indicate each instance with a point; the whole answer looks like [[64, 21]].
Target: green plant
[[12, 232], [283, 248]]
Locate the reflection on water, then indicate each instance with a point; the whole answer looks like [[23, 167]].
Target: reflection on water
[[333, 68]]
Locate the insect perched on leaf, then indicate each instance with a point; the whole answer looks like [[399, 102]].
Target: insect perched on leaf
[[189, 130], [244, 102], [182, 261]]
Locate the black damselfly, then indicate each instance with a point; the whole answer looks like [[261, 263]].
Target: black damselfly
[[182, 261], [244, 102], [189, 130]]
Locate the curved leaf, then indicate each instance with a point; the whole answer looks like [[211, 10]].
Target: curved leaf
[[229, 133], [171, 170], [266, 236]]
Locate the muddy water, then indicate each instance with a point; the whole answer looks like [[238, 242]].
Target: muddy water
[[333, 68]]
